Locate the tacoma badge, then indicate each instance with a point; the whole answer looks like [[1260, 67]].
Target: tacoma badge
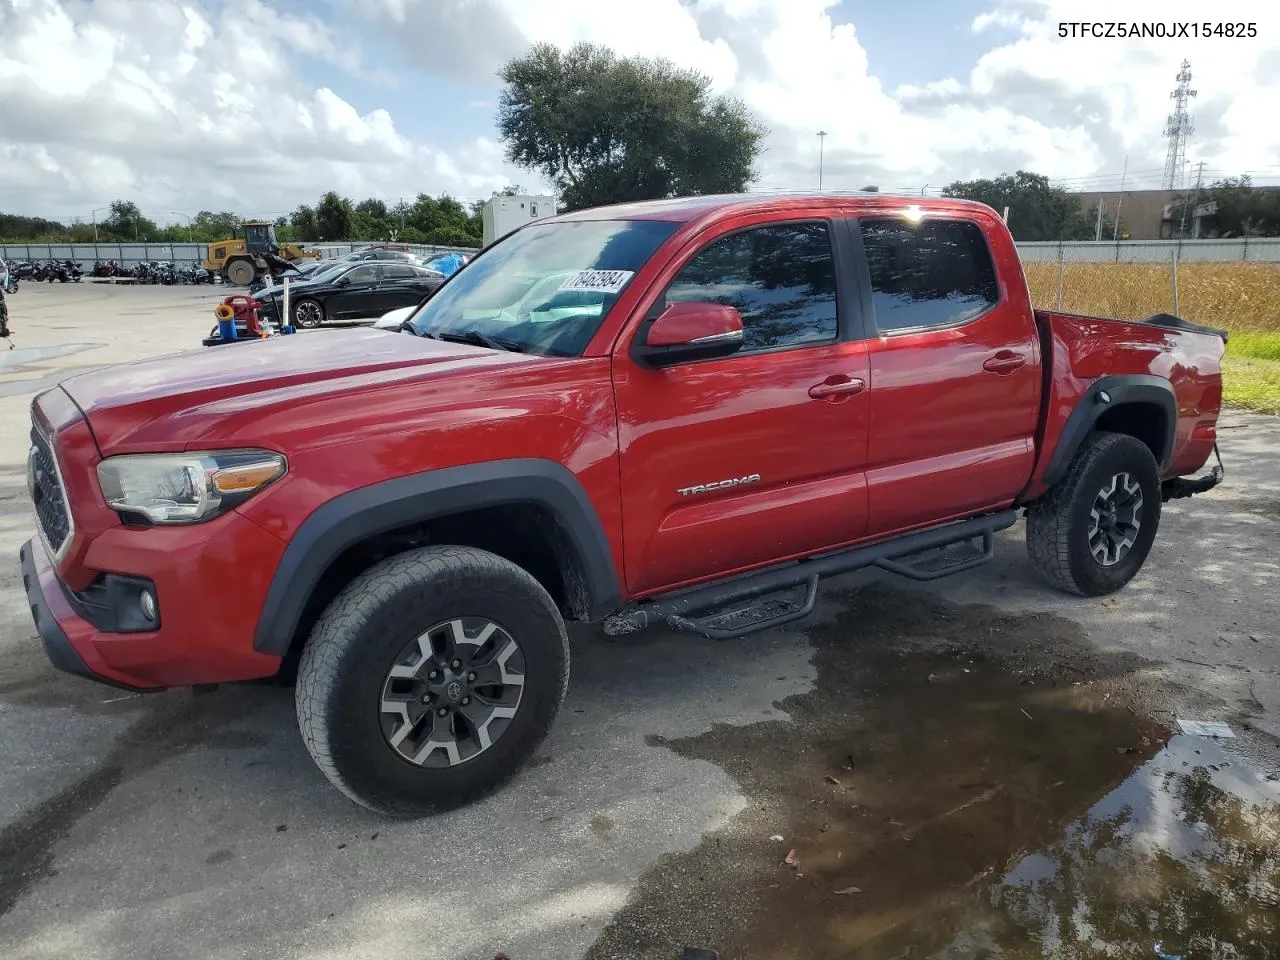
[[719, 485]]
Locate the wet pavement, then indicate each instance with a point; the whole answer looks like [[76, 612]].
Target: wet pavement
[[29, 360], [964, 804]]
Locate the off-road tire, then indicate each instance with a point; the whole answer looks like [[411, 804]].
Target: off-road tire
[[307, 313], [358, 638], [1058, 523], [240, 272]]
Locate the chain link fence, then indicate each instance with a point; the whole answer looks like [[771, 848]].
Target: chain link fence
[[1239, 294], [181, 254]]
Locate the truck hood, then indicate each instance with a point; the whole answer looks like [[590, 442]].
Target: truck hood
[[186, 390]]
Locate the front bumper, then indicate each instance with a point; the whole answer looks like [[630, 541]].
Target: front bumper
[[49, 605], [210, 582]]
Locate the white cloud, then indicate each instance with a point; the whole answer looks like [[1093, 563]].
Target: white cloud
[[196, 105], [201, 103]]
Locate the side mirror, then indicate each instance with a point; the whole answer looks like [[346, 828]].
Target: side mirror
[[342, 282], [692, 330]]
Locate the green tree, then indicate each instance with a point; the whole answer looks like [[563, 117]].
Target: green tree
[[1037, 211], [209, 226], [333, 217], [14, 228], [1242, 209], [303, 221], [126, 222], [606, 129]]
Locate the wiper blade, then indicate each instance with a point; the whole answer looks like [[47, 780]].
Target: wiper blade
[[481, 339]]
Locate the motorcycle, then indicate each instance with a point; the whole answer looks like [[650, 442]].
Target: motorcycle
[[54, 270], [74, 271]]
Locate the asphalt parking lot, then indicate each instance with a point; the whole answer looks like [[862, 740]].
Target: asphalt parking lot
[[920, 754]]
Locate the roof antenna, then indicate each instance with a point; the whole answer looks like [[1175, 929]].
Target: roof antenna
[[872, 189]]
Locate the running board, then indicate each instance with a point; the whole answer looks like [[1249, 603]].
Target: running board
[[718, 611]]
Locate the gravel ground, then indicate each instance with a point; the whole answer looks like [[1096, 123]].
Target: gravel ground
[[195, 825]]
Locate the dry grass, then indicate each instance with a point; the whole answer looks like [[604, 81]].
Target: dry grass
[[1242, 297], [1238, 296]]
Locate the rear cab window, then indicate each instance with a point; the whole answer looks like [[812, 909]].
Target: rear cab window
[[927, 275]]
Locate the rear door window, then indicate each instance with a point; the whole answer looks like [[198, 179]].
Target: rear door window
[[936, 273]]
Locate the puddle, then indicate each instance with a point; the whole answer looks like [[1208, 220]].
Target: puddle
[[1182, 859], [941, 746], [20, 357]]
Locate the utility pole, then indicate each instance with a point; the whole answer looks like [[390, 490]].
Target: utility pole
[[1115, 234], [1097, 233], [1195, 202], [822, 141], [1182, 224]]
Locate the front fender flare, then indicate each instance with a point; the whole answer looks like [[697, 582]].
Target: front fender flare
[[381, 507]]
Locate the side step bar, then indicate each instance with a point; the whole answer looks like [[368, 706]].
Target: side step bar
[[717, 611]]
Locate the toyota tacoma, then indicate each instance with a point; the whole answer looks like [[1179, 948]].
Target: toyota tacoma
[[683, 412]]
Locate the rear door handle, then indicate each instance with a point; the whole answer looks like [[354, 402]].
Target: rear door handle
[[836, 387], [1006, 361]]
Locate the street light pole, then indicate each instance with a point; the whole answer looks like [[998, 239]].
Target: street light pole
[[93, 215], [822, 141], [187, 217]]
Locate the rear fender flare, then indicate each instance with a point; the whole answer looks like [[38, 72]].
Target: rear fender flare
[[1108, 393], [381, 507]]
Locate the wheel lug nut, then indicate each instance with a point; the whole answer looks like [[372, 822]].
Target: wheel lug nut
[[456, 664], [465, 701], [426, 698], [471, 676], [433, 674], [442, 711]]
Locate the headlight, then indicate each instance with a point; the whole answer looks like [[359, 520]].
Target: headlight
[[186, 488]]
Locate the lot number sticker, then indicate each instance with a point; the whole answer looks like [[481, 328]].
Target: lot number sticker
[[598, 281]]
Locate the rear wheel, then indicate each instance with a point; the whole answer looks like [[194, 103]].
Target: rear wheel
[[307, 313], [240, 272], [431, 679], [1092, 532]]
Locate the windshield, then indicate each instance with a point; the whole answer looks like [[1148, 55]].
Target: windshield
[[545, 289]]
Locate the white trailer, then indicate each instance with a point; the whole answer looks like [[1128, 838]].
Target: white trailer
[[501, 215]]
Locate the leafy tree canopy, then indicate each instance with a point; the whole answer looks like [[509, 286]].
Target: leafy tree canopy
[[1037, 211], [606, 129]]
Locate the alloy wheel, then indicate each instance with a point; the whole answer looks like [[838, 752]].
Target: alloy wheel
[[452, 692], [1115, 519], [308, 314]]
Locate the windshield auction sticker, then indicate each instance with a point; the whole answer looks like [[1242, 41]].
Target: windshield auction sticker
[[598, 281]]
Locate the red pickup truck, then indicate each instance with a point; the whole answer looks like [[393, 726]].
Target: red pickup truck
[[683, 411]]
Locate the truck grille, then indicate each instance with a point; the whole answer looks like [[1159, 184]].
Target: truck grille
[[45, 487]]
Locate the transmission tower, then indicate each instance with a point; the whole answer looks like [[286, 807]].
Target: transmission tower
[[1178, 128]]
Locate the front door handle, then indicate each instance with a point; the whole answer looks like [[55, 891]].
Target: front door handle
[[1006, 361], [836, 387]]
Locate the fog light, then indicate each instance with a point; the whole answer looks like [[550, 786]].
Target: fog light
[[147, 603]]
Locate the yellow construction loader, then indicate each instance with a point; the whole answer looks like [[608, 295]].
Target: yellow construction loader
[[240, 260]]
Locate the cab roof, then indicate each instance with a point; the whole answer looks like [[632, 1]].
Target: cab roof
[[686, 209]]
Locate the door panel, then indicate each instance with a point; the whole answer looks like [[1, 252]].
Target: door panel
[[730, 463], [352, 300], [954, 409]]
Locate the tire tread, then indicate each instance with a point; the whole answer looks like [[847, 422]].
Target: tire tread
[[341, 626]]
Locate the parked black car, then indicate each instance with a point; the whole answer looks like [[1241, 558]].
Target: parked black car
[[350, 291]]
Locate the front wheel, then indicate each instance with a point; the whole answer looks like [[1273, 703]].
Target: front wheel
[[307, 313], [1092, 532], [431, 679], [240, 272]]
